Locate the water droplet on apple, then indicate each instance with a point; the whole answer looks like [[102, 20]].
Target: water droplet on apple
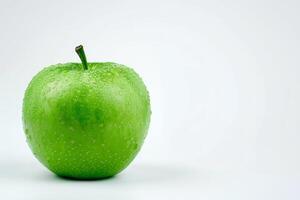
[[28, 137]]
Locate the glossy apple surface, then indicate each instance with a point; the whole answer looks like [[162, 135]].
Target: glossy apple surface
[[86, 123]]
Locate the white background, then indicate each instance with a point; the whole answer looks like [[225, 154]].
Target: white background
[[224, 83]]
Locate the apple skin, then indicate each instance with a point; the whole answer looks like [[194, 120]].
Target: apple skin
[[86, 124]]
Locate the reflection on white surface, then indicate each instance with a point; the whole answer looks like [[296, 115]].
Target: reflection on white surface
[[33, 182], [147, 181]]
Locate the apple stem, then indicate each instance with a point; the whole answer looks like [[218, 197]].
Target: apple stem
[[79, 50]]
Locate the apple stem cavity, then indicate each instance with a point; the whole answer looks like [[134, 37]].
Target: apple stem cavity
[[79, 50]]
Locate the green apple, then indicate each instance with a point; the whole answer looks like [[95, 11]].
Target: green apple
[[86, 120]]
